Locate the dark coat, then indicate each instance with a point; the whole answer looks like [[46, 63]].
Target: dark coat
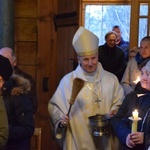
[[33, 92], [121, 123], [19, 111], [112, 60]]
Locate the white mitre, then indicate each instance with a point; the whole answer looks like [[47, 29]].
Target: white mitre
[[85, 42]]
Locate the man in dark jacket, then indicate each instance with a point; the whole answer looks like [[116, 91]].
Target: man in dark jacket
[[111, 56], [9, 53], [14, 90]]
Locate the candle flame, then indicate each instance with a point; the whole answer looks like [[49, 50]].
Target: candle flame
[[135, 114], [137, 80]]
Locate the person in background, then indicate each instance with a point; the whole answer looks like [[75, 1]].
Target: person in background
[[73, 132], [133, 52], [9, 53], [111, 56], [132, 72], [125, 45], [139, 100], [3, 122], [14, 90]]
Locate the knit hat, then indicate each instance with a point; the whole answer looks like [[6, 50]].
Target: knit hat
[[85, 42], [147, 67], [6, 69]]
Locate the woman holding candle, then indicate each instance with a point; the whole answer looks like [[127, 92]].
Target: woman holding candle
[[135, 134]]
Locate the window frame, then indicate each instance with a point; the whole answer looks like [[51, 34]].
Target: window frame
[[96, 2], [134, 23], [134, 20]]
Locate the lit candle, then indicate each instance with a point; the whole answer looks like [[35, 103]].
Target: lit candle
[[135, 114], [135, 121]]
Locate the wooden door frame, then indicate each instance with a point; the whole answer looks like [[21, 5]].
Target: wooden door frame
[[134, 23]]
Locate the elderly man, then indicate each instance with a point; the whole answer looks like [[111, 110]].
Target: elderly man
[[9, 53], [73, 131], [111, 56]]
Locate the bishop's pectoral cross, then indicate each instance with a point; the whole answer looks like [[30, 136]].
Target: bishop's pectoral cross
[[95, 95]]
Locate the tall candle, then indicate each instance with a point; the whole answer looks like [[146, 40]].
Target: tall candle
[[135, 121], [134, 126]]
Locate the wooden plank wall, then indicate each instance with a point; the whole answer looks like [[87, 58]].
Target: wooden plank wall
[[46, 62], [43, 52], [26, 34]]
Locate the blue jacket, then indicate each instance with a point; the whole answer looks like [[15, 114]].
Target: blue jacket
[[121, 123]]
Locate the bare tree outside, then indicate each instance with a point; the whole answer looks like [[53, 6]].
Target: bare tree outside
[[101, 18]]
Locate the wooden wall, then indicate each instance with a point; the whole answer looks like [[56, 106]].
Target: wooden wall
[[66, 54], [43, 52], [26, 34]]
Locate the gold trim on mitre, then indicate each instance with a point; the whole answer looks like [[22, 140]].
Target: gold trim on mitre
[[85, 42], [87, 53]]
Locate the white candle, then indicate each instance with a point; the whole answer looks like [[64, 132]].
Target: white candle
[[135, 121], [135, 114]]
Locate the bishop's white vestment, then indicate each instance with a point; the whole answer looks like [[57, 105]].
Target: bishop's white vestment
[[98, 97]]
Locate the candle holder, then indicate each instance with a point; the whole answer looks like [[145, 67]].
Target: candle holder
[[134, 123]]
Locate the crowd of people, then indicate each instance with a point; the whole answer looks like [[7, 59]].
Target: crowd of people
[[116, 81]]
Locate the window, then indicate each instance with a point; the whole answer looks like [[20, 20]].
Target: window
[[143, 21], [133, 16], [101, 18]]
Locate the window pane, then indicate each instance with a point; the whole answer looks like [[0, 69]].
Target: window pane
[[143, 9], [142, 29], [101, 18]]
